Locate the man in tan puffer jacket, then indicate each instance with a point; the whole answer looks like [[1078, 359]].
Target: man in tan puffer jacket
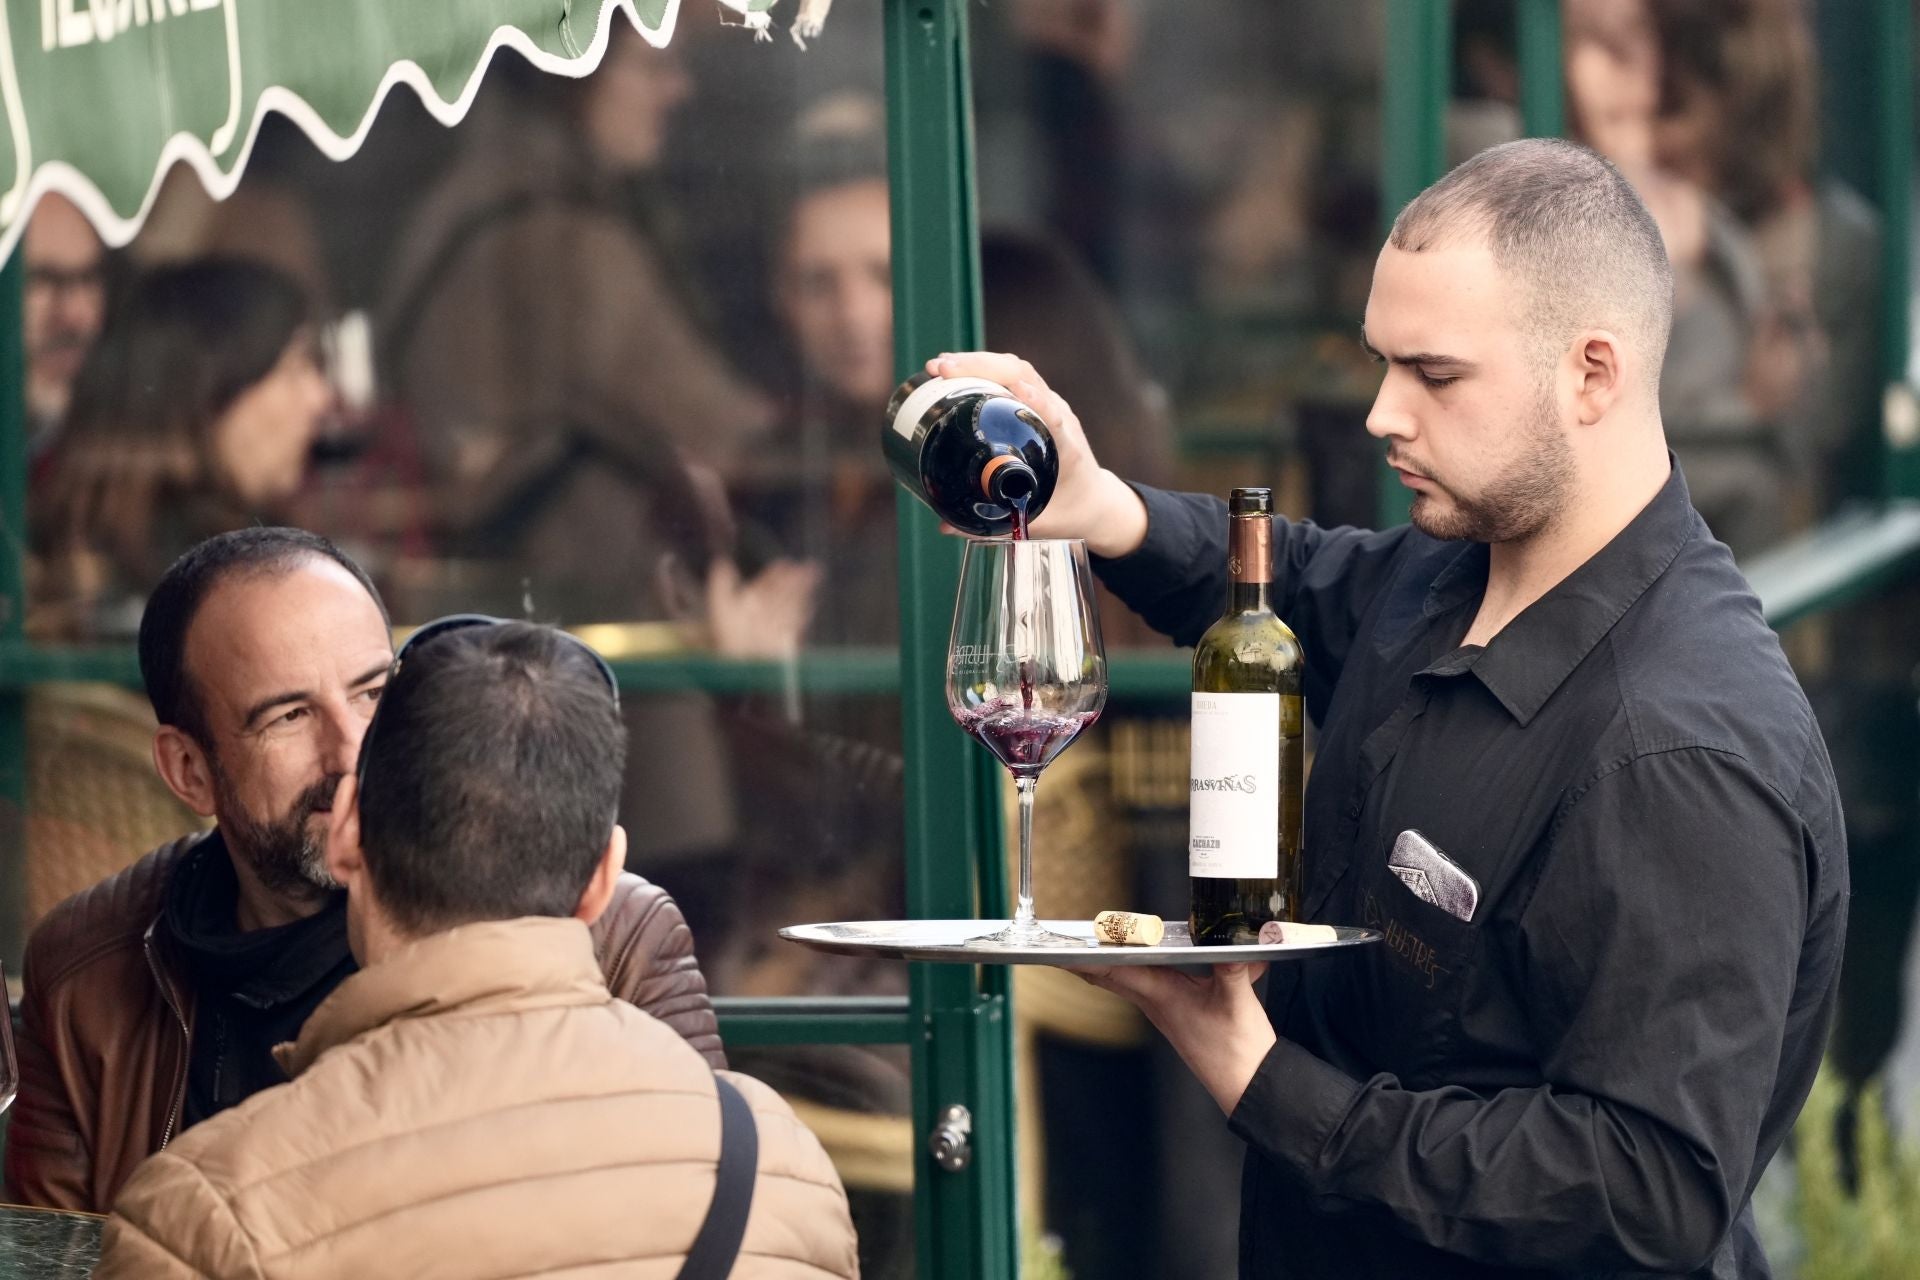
[[474, 1104]]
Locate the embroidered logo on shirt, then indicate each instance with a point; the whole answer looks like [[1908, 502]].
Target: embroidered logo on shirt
[[1405, 945]]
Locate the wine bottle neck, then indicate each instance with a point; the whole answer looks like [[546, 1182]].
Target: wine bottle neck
[[1249, 564], [1008, 479]]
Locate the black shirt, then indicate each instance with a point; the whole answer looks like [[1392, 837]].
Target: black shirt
[[1588, 1075], [252, 990]]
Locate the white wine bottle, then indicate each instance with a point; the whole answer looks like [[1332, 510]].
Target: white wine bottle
[[1243, 847]]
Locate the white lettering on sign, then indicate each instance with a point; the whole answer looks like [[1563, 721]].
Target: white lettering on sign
[[68, 24]]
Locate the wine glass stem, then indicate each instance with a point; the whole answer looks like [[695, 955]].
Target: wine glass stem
[[1023, 914]]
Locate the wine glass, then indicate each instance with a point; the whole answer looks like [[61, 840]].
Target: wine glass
[[1025, 674], [9, 1060]]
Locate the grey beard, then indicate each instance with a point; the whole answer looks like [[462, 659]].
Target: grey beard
[[289, 859]]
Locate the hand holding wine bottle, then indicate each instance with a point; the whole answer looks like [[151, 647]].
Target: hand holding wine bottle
[[1089, 502]]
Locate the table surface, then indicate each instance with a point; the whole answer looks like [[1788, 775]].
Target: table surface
[[45, 1244]]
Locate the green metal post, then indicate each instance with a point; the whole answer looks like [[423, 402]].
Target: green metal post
[[13, 612], [1413, 152], [1893, 73], [1543, 100], [965, 1220]]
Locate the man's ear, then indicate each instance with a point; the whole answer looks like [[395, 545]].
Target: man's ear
[[1600, 374], [346, 862], [599, 891], [184, 765]]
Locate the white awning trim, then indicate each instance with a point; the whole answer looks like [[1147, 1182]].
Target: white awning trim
[[220, 182]]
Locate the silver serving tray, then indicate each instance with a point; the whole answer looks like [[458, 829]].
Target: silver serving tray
[[948, 941]]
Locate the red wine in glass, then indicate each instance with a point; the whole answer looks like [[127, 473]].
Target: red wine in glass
[[1024, 740], [1025, 621]]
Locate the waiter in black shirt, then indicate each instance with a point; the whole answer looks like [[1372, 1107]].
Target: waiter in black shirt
[[1559, 681]]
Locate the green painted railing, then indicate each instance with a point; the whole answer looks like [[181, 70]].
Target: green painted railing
[[815, 1020]]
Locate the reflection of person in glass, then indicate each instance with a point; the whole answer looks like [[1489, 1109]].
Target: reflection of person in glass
[[1560, 680], [828, 499], [541, 273], [195, 413], [1813, 370], [64, 305]]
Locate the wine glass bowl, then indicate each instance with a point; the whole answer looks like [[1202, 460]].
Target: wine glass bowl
[[1026, 672]]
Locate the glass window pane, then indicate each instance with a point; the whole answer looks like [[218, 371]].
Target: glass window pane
[[1180, 212], [611, 353]]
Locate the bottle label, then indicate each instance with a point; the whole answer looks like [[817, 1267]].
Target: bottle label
[[1234, 778], [934, 390]]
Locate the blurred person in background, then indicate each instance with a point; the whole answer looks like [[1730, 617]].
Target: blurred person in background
[[542, 272], [194, 414], [1723, 425], [65, 304], [1734, 71], [576, 419], [822, 488]]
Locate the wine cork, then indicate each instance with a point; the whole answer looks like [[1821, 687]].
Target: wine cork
[[1129, 928], [1284, 931]]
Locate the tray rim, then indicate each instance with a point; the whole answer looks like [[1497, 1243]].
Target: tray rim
[[1093, 957]]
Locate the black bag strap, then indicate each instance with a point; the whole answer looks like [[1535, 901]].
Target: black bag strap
[[718, 1243]]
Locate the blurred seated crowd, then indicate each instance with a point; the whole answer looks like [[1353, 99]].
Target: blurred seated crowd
[[561, 373], [613, 351]]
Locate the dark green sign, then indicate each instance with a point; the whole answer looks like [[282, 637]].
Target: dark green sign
[[102, 96]]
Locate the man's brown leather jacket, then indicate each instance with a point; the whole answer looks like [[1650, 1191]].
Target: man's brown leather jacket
[[106, 1018]]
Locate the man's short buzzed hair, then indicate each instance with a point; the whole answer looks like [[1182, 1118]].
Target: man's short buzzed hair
[[492, 778], [1569, 227]]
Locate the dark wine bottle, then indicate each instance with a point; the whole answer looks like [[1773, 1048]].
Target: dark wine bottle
[[1243, 847], [967, 448]]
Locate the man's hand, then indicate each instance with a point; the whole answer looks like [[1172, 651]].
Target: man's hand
[[1088, 501], [1213, 1020]]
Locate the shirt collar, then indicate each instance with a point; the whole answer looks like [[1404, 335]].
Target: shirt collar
[[491, 965], [1535, 653]]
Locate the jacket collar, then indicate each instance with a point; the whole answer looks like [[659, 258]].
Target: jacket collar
[[1535, 653], [476, 968]]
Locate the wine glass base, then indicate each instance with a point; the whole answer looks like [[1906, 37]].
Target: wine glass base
[[1025, 935]]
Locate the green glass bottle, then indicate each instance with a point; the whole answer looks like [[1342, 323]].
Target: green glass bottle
[[1243, 847]]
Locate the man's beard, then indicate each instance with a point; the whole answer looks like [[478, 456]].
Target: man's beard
[[1517, 504], [285, 853]]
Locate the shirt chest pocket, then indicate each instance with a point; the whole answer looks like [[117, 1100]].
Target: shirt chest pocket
[[1401, 998]]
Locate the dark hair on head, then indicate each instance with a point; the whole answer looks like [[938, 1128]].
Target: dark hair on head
[[1755, 60], [819, 162], [185, 587], [185, 342], [1564, 223], [179, 348], [493, 780]]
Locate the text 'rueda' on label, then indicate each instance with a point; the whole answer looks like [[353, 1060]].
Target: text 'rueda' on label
[[1234, 805]]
